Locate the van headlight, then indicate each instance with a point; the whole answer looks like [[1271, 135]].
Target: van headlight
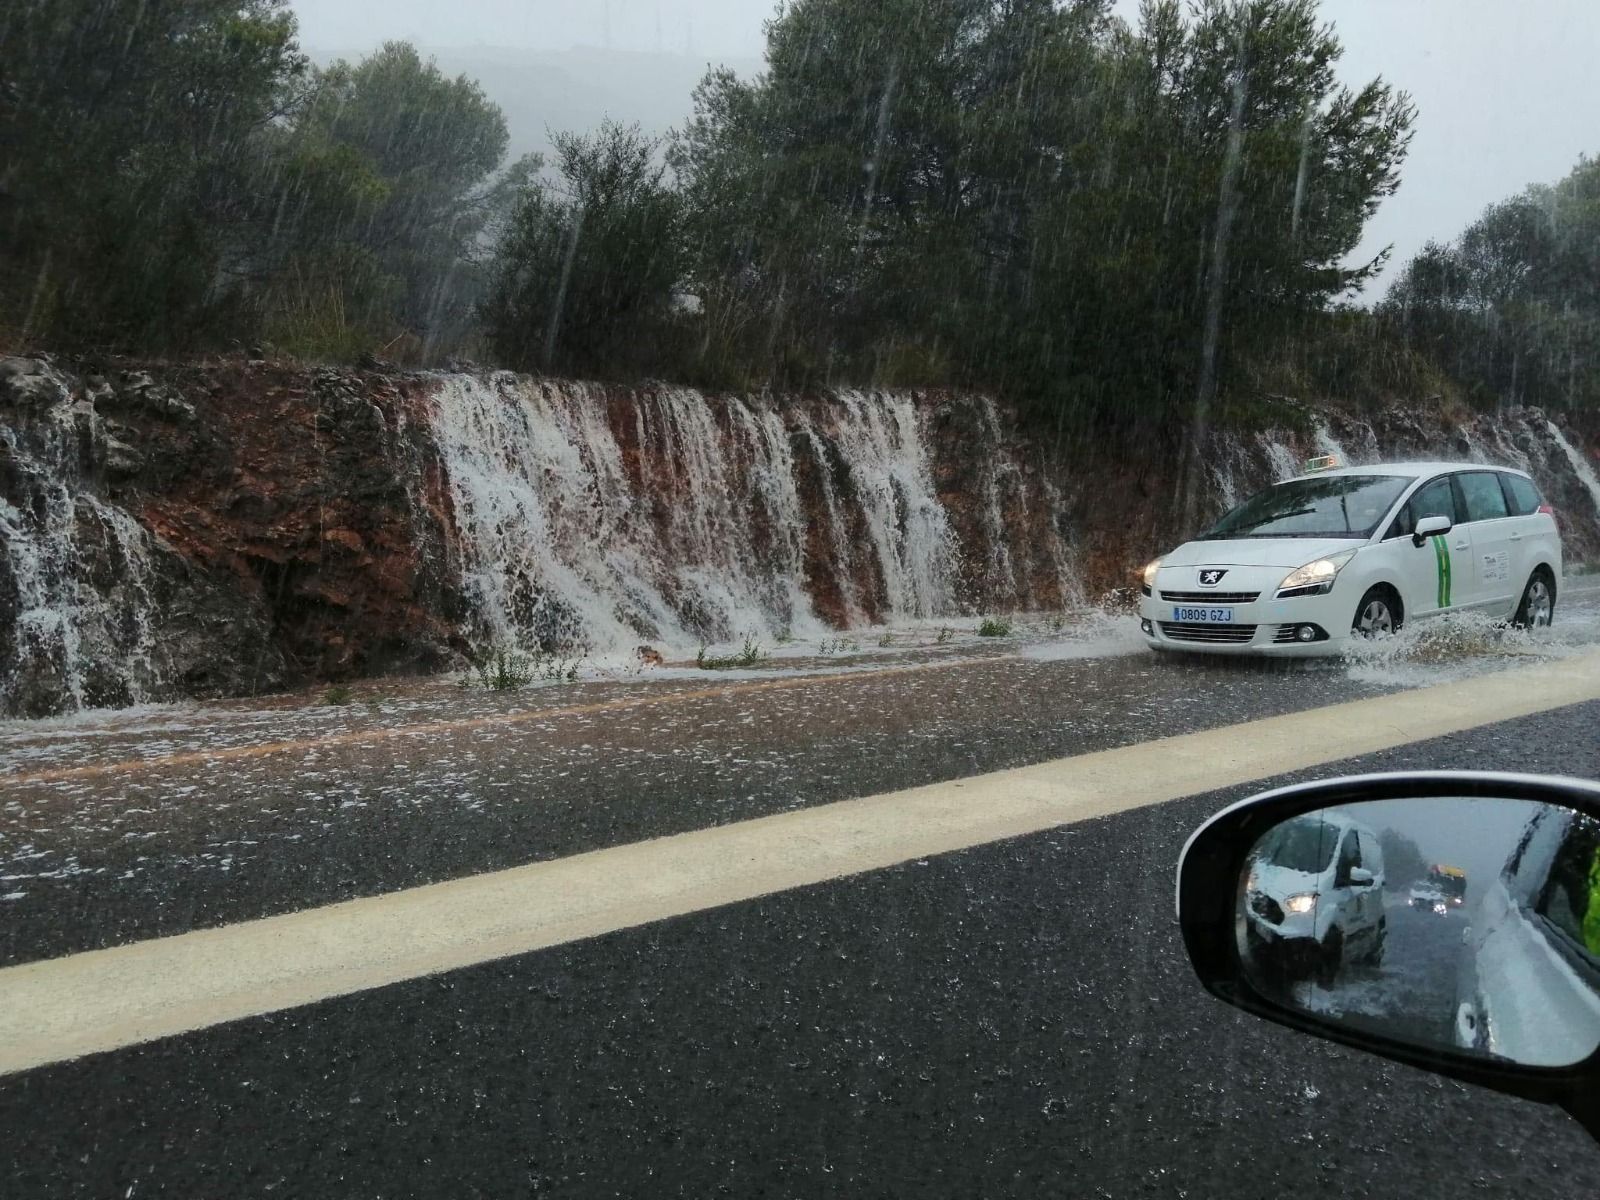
[[1149, 575], [1315, 578], [1302, 903]]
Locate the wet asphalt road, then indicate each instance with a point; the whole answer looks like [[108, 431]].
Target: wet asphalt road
[[1015, 1019], [131, 854]]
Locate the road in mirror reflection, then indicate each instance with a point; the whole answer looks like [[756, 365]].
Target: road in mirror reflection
[[1466, 924]]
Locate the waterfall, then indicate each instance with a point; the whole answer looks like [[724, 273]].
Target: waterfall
[[592, 520], [1581, 467], [76, 572]]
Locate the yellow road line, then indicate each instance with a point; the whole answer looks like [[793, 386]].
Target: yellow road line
[[107, 999], [362, 737]]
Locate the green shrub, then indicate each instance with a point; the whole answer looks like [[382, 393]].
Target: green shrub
[[747, 656], [338, 695], [994, 627]]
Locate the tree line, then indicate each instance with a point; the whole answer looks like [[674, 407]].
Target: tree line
[[176, 175], [1117, 226]]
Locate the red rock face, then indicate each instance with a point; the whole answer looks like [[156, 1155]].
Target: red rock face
[[315, 494], [231, 527]]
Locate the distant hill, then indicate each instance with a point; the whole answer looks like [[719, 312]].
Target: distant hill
[[547, 91]]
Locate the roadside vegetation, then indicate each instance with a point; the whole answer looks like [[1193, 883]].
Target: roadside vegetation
[[748, 655], [507, 669], [994, 627]]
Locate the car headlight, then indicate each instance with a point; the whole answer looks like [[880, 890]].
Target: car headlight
[[1302, 903], [1149, 575], [1315, 578]]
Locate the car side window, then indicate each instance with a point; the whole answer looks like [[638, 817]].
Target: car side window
[[1371, 854], [1481, 495], [1570, 900], [1435, 499], [1522, 498], [1349, 857]]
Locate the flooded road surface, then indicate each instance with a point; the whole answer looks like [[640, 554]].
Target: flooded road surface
[[115, 826]]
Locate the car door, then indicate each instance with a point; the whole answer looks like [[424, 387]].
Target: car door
[[1428, 575], [1527, 526], [1352, 899], [1482, 504]]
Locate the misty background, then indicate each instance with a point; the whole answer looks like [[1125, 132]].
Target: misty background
[[1506, 92]]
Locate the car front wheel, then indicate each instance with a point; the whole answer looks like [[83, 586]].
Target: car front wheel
[[1377, 616]]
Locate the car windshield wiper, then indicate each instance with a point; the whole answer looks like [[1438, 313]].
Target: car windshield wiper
[[1244, 531]]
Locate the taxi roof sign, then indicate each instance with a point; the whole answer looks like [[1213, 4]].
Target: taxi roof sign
[[1323, 462]]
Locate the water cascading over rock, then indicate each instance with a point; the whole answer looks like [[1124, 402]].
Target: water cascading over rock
[[591, 519]]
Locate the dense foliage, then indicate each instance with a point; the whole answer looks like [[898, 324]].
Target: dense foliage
[[1118, 226], [1511, 308], [174, 174]]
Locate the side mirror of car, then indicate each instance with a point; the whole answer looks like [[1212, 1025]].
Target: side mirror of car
[[1426, 985], [1431, 526]]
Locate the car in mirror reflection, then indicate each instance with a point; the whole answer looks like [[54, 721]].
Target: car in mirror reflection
[[1450, 920]]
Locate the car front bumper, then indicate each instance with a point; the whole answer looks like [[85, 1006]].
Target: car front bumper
[[1265, 626]]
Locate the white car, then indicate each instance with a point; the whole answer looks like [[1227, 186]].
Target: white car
[[1314, 898], [1342, 552], [1529, 985]]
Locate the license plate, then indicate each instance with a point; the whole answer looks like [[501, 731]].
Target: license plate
[[1203, 616]]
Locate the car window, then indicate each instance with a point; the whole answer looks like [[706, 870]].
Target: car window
[[1481, 496], [1349, 858], [1332, 506], [1570, 900], [1435, 499], [1301, 845], [1521, 496]]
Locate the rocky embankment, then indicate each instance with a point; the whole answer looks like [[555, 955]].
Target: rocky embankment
[[234, 527]]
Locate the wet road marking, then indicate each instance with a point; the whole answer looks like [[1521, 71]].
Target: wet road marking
[[189, 758], [105, 1000]]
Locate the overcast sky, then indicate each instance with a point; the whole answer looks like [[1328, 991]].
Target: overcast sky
[[1508, 90]]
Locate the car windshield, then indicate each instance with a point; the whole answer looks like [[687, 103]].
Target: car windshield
[[1302, 845], [1339, 506], [1449, 881]]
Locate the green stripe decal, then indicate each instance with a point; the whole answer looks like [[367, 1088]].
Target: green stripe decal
[[1441, 553]]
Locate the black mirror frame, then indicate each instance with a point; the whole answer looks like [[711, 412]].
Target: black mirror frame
[[1208, 880]]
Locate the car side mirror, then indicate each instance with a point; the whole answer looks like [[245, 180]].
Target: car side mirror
[[1431, 526], [1422, 982]]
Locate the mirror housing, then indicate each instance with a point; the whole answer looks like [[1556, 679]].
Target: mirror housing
[[1431, 526], [1361, 877], [1217, 858]]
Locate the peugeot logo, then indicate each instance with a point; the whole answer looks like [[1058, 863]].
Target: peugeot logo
[[1211, 578]]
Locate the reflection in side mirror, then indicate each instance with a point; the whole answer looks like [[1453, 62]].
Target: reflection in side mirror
[[1450, 920], [1431, 526], [1358, 914]]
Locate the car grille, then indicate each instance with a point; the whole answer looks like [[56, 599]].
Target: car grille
[[1210, 597], [1229, 634], [1267, 909]]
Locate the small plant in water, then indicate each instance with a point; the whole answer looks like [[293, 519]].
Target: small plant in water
[[338, 695], [747, 656], [887, 639], [945, 634], [994, 627], [505, 669]]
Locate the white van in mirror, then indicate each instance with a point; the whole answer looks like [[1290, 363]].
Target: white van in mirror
[[1447, 919], [1355, 552]]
